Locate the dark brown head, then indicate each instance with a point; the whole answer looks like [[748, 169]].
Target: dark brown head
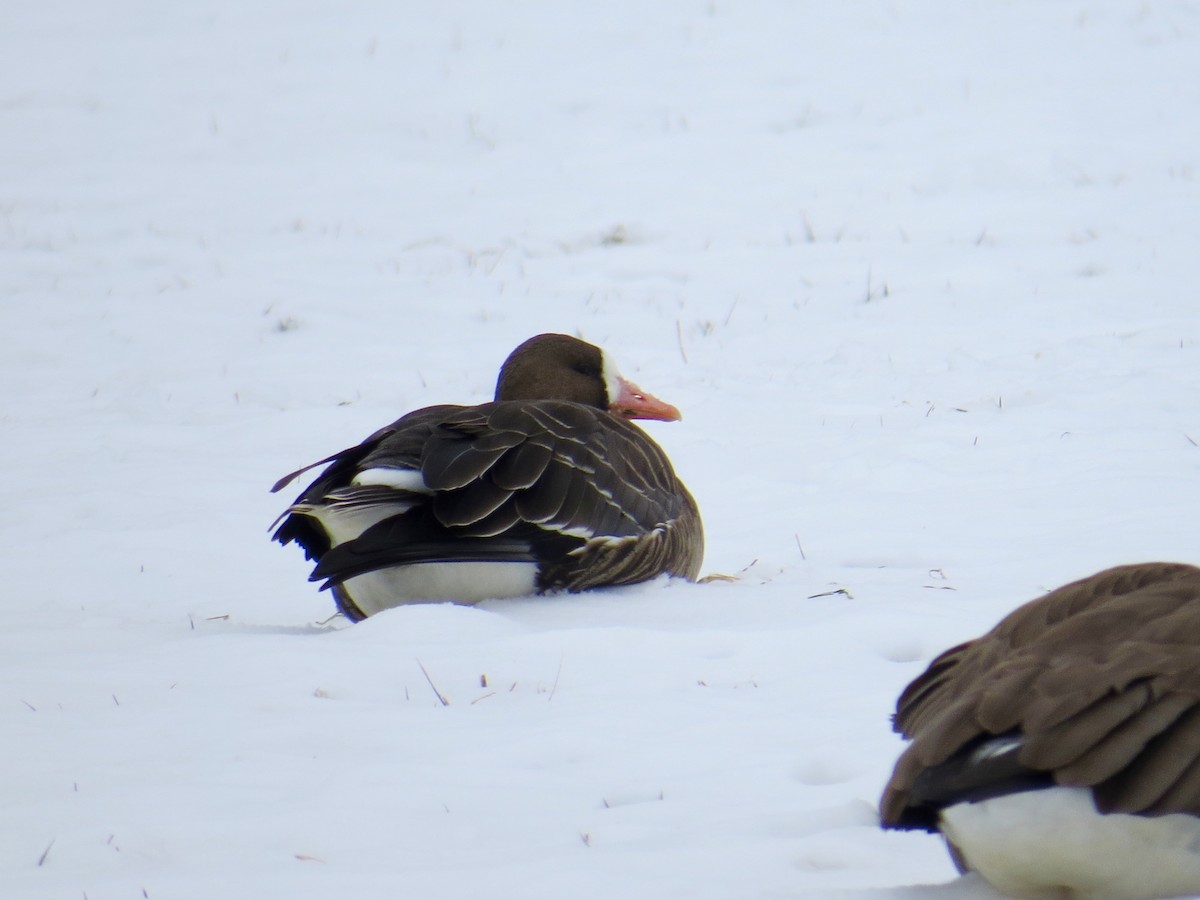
[[560, 367]]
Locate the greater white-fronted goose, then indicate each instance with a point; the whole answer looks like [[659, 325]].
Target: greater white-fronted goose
[[1059, 754], [547, 488]]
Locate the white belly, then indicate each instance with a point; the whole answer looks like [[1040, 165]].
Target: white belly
[[460, 582], [1053, 843]]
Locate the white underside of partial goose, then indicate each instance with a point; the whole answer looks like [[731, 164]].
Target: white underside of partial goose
[[1054, 843], [440, 582]]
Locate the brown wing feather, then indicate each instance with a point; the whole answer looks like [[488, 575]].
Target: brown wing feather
[[1147, 780], [1183, 794], [1099, 760]]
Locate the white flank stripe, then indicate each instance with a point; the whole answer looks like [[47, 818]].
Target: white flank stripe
[[578, 531], [346, 522], [404, 479]]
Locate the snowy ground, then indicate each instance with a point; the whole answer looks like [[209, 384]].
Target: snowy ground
[[922, 277]]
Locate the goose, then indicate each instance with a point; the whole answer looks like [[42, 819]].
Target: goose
[[548, 488], [1059, 754]]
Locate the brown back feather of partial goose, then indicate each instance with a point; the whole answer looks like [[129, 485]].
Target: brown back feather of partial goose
[[543, 467], [1101, 676]]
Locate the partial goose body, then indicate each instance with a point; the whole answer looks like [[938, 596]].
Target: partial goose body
[[547, 488], [1059, 754]]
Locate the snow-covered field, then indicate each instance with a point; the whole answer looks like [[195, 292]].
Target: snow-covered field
[[922, 276]]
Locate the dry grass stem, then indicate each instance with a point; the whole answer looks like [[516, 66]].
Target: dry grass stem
[[432, 686]]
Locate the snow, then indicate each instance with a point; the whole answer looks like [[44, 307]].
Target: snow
[[920, 277]]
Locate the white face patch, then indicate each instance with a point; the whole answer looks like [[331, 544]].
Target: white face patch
[[404, 479], [611, 375]]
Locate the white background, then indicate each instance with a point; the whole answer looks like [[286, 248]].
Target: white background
[[922, 277]]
